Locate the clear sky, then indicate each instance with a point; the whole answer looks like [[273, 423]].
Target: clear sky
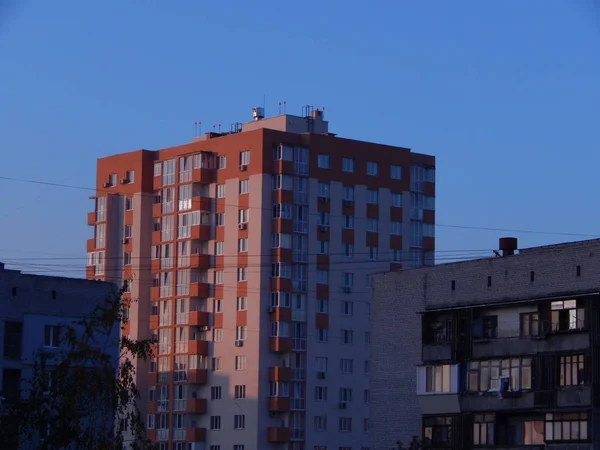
[[505, 94]]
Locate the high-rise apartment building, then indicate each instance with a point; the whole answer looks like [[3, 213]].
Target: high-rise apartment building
[[249, 256]]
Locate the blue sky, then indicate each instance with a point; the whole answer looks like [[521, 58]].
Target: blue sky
[[505, 94]]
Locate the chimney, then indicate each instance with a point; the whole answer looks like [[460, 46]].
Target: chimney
[[507, 245]]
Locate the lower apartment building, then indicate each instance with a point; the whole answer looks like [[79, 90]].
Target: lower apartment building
[[508, 350]]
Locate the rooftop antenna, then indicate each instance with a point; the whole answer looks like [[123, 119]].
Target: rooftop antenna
[[284, 106], [264, 104], [214, 126], [219, 128], [279, 108]]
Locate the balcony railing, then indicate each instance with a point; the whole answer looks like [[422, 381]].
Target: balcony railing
[[297, 434], [179, 404], [182, 318], [299, 344], [297, 404], [162, 405], [179, 434], [298, 374], [162, 434]]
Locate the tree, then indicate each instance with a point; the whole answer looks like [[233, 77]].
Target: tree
[[415, 444], [83, 395]]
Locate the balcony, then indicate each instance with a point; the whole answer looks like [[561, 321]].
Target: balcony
[[156, 238], [203, 175], [154, 293], [153, 321], [198, 347], [199, 290], [277, 373], [201, 232], [155, 265], [157, 183], [560, 342], [495, 402], [198, 318], [278, 435], [442, 352], [279, 404], [199, 261], [280, 314], [195, 435], [91, 218], [281, 344], [201, 204], [196, 406], [90, 245], [90, 272], [156, 210]]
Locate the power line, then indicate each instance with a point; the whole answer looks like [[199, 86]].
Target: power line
[[467, 227]]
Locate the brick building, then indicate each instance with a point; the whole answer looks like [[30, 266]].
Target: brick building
[[250, 253], [506, 351]]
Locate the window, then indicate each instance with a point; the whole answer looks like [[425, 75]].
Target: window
[[239, 422], [347, 165], [320, 423], [157, 167], [346, 365], [215, 422], [566, 427], [216, 364], [345, 395], [168, 172], [244, 187], [283, 152], [322, 277], [320, 393], [347, 337], [348, 193], [244, 158], [243, 245], [533, 432], [216, 392], [372, 196], [323, 161], [240, 362], [323, 190], [530, 324], [221, 162], [112, 179], [366, 396], [239, 391], [348, 250], [345, 424], [150, 422], [217, 335], [567, 315], [437, 378], [242, 216], [241, 304], [220, 191], [284, 182], [572, 371], [347, 279], [217, 305], [322, 335], [485, 375], [372, 168], [321, 364], [367, 367], [129, 203], [323, 219], [219, 219], [373, 253], [51, 335], [437, 431], [373, 225], [219, 248], [281, 270], [127, 258], [395, 172], [490, 327], [185, 197], [238, 447], [348, 222], [396, 228], [323, 247], [322, 305], [397, 200], [347, 308], [366, 425], [242, 274], [128, 231], [13, 337], [483, 429]]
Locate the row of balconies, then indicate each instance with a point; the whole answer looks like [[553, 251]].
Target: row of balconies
[[191, 406], [274, 435], [198, 176]]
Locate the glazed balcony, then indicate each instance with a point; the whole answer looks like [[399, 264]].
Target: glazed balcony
[[278, 373], [278, 434], [279, 404], [281, 344], [90, 245], [197, 376], [196, 406], [91, 218], [198, 347], [195, 435], [198, 318]]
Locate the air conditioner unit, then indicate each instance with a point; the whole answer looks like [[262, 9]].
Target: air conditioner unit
[[239, 343], [106, 185], [124, 181], [243, 167], [242, 226], [321, 375], [347, 289], [342, 405]]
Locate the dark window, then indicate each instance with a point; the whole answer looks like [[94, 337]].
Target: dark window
[[13, 336], [578, 271], [490, 327], [51, 335], [532, 276], [567, 315], [566, 427], [483, 429], [14, 292], [530, 324], [437, 431], [489, 281], [53, 295], [11, 384], [453, 285], [572, 370]]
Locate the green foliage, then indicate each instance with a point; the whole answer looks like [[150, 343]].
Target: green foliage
[[415, 444], [76, 397]]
